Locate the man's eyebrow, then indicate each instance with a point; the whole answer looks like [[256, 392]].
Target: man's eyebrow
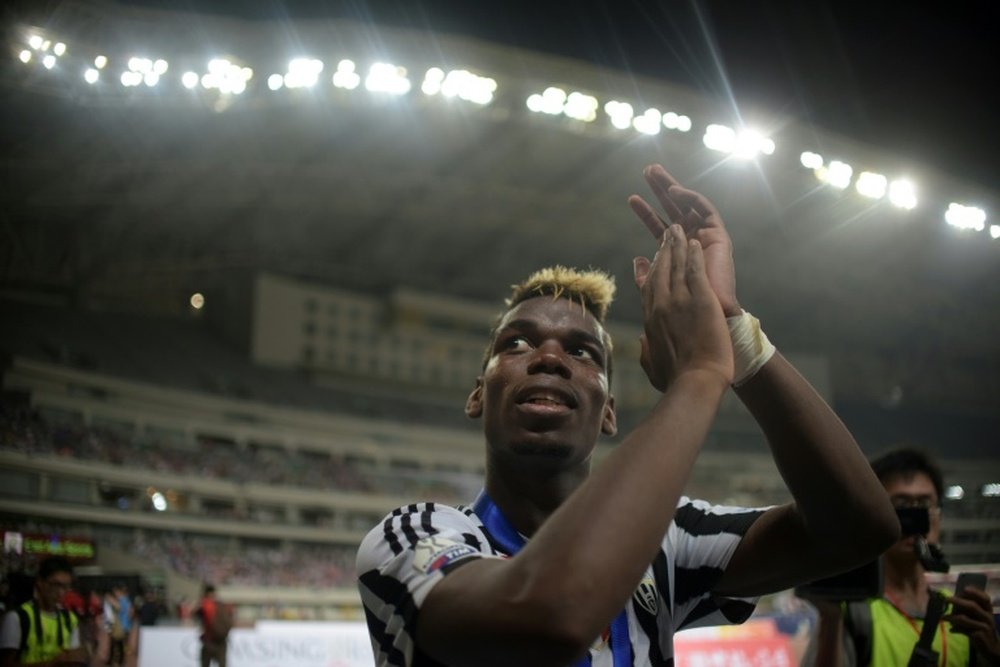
[[576, 335]]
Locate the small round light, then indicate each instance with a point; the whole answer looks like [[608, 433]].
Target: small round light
[[100, 62], [59, 48], [91, 75], [49, 61], [25, 56], [197, 301]]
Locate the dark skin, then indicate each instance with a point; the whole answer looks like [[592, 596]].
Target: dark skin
[[544, 400]]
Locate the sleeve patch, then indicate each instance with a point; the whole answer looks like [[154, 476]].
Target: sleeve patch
[[433, 553]]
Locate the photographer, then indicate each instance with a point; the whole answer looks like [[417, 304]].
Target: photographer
[[884, 631]]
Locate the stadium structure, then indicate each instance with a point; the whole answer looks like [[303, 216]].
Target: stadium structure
[[248, 270]]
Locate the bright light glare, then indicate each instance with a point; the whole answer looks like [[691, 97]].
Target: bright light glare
[[189, 80], [49, 61], [100, 62], [197, 300], [620, 114], [91, 75], [467, 86], [995, 231], [675, 121], [130, 79], [991, 490], [720, 138], [25, 56], [871, 185], [159, 502], [161, 66], [275, 81], [955, 492], [903, 193], [46, 44], [837, 174], [225, 76], [150, 79], [750, 143], [59, 48], [811, 160], [141, 65], [552, 101], [581, 106], [387, 78], [345, 77], [35, 42], [648, 122], [303, 72], [965, 217]]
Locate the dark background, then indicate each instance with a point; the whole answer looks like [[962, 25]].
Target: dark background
[[914, 78]]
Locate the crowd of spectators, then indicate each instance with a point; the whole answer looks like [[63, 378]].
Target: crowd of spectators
[[26, 431]]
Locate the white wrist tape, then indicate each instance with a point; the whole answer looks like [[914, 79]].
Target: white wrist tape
[[751, 348]]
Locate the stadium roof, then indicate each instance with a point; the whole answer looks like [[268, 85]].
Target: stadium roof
[[140, 196]]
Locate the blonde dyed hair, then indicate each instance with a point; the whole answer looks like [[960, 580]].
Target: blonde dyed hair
[[593, 289]]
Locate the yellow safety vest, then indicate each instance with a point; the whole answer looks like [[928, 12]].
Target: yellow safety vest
[[44, 635]]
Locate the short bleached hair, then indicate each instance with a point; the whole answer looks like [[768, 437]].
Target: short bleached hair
[[593, 289]]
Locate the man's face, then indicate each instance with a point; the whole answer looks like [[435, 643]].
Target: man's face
[[914, 490], [52, 588], [544, 391]]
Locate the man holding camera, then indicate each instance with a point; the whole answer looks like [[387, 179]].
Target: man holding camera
[[888, 631]]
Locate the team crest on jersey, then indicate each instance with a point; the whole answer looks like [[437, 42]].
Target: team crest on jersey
[[645, 595], [433, 553]]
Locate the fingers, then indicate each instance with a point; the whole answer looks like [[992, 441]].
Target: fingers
[[693, 202], [648, 216], [660, 181]]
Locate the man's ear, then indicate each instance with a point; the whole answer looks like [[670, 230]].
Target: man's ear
[[609, 425], [474, 404]]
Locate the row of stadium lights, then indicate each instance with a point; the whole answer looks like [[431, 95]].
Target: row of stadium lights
[[231, 79], [991, 490]]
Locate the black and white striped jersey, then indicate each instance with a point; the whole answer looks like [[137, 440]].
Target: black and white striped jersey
[[402, 558]]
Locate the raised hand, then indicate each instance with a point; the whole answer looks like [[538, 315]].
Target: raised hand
[[701, 222], [972, 615], [684, 327]]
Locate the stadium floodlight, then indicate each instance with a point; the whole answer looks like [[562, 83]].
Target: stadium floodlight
[[676, 121], [620, 114], [46, 45], [24, 56], [871, 185], [995, 231], [189, 80], [432, 81], [150, 79], [100, 62], [91, 75], [35, 42], [965, 217], [467, 86], [991, 490], [811, 160], [720, 138], [837, 174], [131, 78], [580, 106], [387, 78], [159, 502], [160, 66], [59, 48], [346, 77], [648, 122], [552, 101], [954, 492], [49, 61], [275, 82], [903, 193], [303, 72], [141, 65]]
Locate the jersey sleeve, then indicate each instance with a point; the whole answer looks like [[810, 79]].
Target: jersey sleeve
[[702, 539], [401, 560]]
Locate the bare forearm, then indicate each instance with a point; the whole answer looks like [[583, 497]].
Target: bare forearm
[[578, 570], [819, 459]]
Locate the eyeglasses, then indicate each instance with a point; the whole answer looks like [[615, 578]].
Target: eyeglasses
[[59, 584]]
